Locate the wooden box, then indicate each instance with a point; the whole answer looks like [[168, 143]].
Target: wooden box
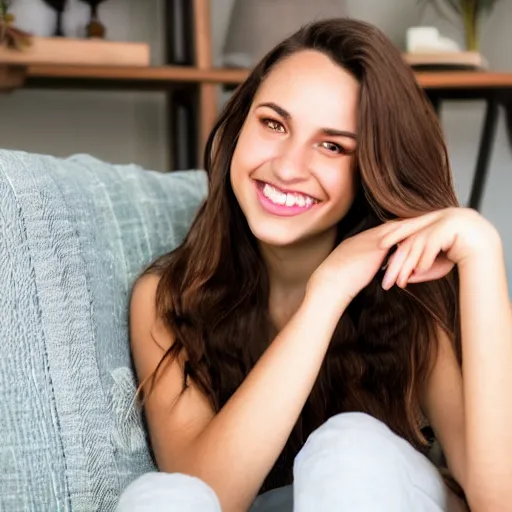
[[69, 51], [447, 61]]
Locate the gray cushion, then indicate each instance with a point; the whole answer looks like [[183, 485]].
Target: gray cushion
[[74, 235]]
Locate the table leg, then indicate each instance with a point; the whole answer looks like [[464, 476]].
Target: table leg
[[484, 154], [508, 113], [182, 119], [436, 103]]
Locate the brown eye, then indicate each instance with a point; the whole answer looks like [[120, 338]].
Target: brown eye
[[333, 147], [274, 125]]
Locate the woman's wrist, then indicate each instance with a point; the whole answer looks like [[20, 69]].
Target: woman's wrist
[[485, 258], [484, 247], [328, 301]]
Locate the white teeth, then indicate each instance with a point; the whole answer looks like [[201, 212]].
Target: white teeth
[[274, 195], [278, 197], [290, 199], [281, 198]]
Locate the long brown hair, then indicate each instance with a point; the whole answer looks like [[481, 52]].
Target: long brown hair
[[213, 289]]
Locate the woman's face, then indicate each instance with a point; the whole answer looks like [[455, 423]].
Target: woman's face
[[292, 171]]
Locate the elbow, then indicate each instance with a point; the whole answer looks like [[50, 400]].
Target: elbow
[[496, 497]]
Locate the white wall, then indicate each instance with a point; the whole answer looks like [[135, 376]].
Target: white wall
[[116, 126], [130, 127], [463, 121]]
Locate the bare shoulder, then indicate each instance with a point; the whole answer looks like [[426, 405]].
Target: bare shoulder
[[143, 317], [149, 340], [174, 416]]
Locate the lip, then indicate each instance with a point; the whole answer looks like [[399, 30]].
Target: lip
[[277, 209]]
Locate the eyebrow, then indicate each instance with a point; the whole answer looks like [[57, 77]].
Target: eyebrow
[[332, 132]]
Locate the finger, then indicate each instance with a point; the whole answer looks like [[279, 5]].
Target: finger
[[411, 262], [438, 270], [406, 228], [428, 257], [384, 229], [395, 264]]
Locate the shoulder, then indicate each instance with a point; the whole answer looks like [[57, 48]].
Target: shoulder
[[149, 339], [174, 415], [143, 296], [143, 308]]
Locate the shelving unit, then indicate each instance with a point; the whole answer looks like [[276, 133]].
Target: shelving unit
[[190, 89], [191, 92], [129, 78]]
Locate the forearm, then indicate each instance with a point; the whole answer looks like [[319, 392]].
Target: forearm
[[486, 323], [241, 444]]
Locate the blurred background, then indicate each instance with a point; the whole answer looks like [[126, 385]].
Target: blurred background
[[131, 126]]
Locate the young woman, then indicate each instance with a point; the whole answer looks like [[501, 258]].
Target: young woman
[[330, 300]]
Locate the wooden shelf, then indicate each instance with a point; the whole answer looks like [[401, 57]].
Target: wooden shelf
[[463, 79], [129, 78], [466, 85], [162, 77], [42, 76]]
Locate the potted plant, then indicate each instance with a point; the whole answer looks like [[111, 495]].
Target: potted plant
[[469, 13], [10, 36]]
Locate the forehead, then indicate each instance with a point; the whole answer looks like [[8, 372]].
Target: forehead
[[311, 86]]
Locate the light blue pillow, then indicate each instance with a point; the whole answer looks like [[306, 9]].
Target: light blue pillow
[[74, 235]]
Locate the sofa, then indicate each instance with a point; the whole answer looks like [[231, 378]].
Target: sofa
[[74, 235]]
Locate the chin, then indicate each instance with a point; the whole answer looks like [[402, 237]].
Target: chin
[[276, 236]]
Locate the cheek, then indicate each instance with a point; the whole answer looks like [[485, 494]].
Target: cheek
[[252, 150], [341, 186]]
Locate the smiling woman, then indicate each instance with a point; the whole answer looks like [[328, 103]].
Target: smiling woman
[[310, 325], [299, 140]]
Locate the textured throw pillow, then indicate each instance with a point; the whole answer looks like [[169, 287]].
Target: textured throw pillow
[[74, 235]]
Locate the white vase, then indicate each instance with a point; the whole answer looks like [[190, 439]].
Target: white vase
[[76, 18], [393, 17], [34, 16], [257, 26]]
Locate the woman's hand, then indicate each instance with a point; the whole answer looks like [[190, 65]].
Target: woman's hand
[[431, 244], [350, 266], [428, 248]]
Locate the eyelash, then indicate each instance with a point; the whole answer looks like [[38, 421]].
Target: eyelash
[[266, 121]]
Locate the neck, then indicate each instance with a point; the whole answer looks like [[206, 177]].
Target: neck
[[289, 268]]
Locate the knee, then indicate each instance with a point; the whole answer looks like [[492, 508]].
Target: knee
[[342, 438], [355, 462], [168, 492], [356, 445]]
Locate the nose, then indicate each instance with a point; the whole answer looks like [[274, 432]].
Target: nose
[[291, 165]]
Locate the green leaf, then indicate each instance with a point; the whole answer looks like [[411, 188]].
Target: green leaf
[[459, 7], [455, 5], [486, 5]]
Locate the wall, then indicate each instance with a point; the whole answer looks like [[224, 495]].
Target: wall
[[130, 127], [463, 121], [115, 126]]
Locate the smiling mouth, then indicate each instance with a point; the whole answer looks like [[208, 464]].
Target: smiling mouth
[[287, 199], [281, 204]]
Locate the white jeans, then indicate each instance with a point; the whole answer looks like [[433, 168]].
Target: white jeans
[[352, 463]]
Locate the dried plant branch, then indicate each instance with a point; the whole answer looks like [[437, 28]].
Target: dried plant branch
[[469, 12], [10, 36]]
